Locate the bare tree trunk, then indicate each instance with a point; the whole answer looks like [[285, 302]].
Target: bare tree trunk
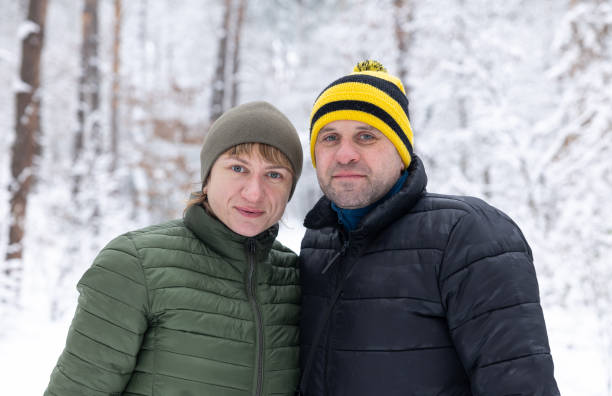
[[462, 39], [115, 88], [219, 77], [462, 113], [88, 133], [25, 147], [403, 16], [242, 4], [135, 99], [84, 212]]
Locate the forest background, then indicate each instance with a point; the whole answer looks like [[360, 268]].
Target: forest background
[[105, 104]]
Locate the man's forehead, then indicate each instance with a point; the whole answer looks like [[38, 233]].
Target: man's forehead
[[357, 125]]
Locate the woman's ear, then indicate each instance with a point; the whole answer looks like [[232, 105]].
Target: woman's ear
[[205, 186]]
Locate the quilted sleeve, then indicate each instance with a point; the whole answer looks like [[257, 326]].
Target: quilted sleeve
[[489, 288], [108, 326]]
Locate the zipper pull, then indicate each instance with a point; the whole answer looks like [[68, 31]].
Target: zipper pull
[[336, 256]]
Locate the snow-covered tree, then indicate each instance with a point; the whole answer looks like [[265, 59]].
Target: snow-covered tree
[[25, 148], [576, 167]]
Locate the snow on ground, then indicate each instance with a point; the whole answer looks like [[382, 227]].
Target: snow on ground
[[32, 343], [30, 352], [578, 353]]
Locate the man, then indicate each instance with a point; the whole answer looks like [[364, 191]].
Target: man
[[405, 292]]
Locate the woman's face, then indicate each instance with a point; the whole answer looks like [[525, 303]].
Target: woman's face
[[247, 193]]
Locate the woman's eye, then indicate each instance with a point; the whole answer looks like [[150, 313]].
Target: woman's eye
[[275, 175], [237, 168]]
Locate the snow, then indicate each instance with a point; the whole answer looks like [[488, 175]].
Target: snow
[[26, 28], [35, 342], [509, 102], [7, 56], [19, 86], [580, 368], [32, 351]]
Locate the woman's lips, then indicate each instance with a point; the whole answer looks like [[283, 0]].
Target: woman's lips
[[248, 212]]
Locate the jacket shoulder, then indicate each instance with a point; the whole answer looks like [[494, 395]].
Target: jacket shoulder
[[171, 235], [464, 203], [123, 254], [477, 215], [283, 256], [170, 228]]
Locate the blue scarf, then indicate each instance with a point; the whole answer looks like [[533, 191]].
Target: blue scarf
[[350, 218]]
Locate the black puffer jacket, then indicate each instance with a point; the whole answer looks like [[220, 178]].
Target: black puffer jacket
[[441, 298]]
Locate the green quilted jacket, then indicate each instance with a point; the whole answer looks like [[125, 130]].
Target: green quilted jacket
[[185, 308]]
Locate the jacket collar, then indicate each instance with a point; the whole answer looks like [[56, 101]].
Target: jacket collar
[[224, 241], [322, 214]]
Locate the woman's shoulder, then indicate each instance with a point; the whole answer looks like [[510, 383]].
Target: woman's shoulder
[[283, 256], [159, 235], [170, 228]]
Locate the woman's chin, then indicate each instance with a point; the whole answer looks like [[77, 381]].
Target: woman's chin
[[248, 229]]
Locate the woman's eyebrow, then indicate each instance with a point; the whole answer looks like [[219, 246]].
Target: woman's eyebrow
[[242, 160], [279, 166], [236, 158]]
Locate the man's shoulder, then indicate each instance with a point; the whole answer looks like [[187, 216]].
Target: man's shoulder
[[454, 208], [458, 206], [462, 203], [472, 216]]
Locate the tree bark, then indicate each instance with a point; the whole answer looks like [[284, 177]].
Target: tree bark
[[115, 87], [26, 145], [219, 81], [88, 133], [241, 9], [403, 15]]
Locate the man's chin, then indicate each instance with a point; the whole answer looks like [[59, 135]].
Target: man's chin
[[351, 202]]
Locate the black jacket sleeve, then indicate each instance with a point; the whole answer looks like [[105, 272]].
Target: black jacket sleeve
[[490, 292]]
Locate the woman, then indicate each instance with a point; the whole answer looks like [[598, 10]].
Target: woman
[[205, 305]]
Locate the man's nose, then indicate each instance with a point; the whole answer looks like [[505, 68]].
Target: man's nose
[[347, 153], [252, 191]]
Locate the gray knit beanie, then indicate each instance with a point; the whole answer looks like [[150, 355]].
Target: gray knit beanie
[[254, 122]]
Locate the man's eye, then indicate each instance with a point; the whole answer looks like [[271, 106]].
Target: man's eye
[[330, 138], [237, 168], [366, 136]]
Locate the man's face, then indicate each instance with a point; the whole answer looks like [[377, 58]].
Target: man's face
[[356, 163]]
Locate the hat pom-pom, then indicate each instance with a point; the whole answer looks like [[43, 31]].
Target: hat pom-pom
[[369, 65]]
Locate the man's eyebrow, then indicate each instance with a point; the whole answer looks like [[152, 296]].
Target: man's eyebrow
[[327, 128], [365, 127]]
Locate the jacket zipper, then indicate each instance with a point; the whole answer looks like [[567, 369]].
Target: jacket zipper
[[339, 274], [258, 321], [336, 257]]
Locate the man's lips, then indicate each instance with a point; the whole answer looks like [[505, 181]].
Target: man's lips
[[249, 212], [347, 175]]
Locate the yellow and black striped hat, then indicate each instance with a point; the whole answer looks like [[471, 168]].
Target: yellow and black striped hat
[[372, 96]]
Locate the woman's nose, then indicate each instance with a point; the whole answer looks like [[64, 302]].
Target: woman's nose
[[252, 190]]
